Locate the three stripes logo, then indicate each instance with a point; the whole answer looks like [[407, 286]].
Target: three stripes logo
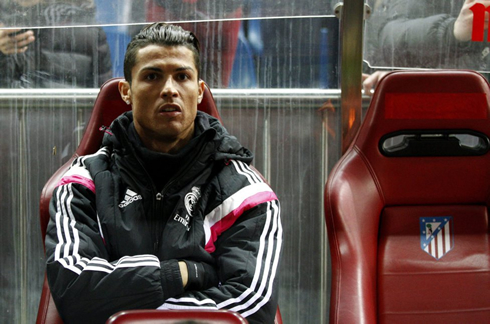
[[130, 197], [436, 235]]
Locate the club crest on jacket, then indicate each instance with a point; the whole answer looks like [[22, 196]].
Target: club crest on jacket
[[191, 199]]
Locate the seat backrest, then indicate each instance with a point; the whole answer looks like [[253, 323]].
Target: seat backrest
[[175, 317], [406, 206]]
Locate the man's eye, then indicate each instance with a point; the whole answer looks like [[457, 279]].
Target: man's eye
[[151, 76], [182, 77]]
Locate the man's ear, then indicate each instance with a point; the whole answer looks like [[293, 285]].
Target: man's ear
[[201, 88], [125, 91]]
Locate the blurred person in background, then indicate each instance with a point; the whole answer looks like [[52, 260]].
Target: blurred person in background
[[422, 34], [219, 39], [425, 34], [37, 56]]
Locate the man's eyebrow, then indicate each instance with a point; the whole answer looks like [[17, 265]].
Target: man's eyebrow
[[151, 68], [184, 68], [157, 69]]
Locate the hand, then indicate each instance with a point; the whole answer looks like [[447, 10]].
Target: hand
[[369, 81], [13, 44], [200, 275], [183, 273], [464, 23]]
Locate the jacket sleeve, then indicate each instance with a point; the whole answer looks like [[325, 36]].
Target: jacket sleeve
[[86, 285], [12, 69], [244, 235]]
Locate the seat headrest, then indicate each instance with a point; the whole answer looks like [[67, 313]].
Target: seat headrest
[[430, 110], [439, 99]]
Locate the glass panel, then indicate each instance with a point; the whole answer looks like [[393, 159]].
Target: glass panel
[[295, 163], [256, 53], [39, 135], [288, 52], [272, 67], [427, 34], [295, 141], [42, 13]]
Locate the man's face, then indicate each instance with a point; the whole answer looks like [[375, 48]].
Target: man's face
[[164, 93]]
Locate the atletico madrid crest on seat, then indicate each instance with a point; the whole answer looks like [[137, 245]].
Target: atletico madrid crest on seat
[[436, 235]]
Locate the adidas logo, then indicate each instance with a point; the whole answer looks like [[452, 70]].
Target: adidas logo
[[130, 197]]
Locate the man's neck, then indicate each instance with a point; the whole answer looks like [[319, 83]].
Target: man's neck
[[165, 147]]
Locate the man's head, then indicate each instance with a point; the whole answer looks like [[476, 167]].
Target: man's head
[[164, 87], [160, 34]]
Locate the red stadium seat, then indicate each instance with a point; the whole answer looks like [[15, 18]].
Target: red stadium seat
[[176, 317], [406, 207], [107, 107]]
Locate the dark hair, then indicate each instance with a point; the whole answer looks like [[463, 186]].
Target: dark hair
[[160, 34]]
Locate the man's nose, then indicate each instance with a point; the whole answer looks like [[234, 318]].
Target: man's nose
[[169, 89]]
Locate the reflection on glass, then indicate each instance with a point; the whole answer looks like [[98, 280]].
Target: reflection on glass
[[117, 12], [424, 34], [251, 53], [52, 57], [49, 44]]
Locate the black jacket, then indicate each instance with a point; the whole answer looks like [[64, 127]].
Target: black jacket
[[114, 239], [67, 57], [419, 34]]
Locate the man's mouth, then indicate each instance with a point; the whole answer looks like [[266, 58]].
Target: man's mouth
[[169, 108]]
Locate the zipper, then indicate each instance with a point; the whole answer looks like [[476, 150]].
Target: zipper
[[160, 195], [158, 204], [157, 230], [158, 201]]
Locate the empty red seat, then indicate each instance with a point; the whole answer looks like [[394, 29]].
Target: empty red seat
[[406, 207]]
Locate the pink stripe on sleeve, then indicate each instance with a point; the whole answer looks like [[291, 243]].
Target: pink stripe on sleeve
[[88, 183], [227, 221]]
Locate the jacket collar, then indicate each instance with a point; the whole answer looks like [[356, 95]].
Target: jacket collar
[[225, 146]]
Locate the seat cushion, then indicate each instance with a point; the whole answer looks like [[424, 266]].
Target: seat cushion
[[434, 264]]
